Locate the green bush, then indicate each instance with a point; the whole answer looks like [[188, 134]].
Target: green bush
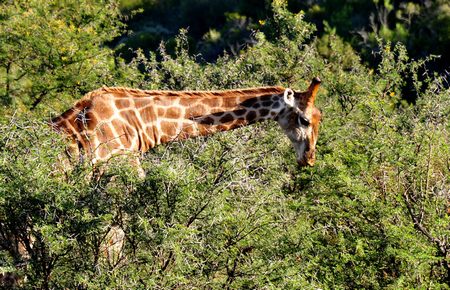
[[233, 210], [54, 51]]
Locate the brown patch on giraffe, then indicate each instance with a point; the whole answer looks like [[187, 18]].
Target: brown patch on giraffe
[[249, 103], [227, 118], [255, 102], [195, 110], [173, 113], [123, 104], [251, 116], [206, 120], [141, 102], [239, 112], [186, 102], [263, 112], [105, 133], [91, 120], [146, 115], [161, 111], [104, 112], [169, 128]]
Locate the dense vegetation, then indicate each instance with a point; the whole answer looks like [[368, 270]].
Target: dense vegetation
[[231, 210], [215, 25]]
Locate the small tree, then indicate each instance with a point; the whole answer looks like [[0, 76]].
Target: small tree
[[54, 51]]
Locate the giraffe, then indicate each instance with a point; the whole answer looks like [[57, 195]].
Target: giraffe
[[113, 120]]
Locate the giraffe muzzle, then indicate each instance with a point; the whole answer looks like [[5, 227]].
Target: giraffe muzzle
[[308, 160]]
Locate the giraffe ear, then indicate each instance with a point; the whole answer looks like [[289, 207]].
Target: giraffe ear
[[289, 98]]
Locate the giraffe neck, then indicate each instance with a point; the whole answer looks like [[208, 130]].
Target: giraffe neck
[[202, 113], [111, 120]]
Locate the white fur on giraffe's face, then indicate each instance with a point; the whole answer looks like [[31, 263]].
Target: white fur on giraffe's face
[[302, 131]]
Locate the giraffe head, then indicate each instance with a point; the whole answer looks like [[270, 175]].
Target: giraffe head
[[300, 121]]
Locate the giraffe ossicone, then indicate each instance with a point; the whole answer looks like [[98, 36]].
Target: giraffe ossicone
[[114, 120]]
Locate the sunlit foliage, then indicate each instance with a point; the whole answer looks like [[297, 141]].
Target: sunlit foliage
[[231, 210]]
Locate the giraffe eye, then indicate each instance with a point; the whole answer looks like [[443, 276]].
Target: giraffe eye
[[303, 120]]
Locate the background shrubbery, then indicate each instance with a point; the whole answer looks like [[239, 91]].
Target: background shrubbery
[[230, 210]]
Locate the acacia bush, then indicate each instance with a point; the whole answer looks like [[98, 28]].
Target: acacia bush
[[233, 210], [52, 52]]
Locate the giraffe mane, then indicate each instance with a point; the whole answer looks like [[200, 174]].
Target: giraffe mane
[[189, 93]]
